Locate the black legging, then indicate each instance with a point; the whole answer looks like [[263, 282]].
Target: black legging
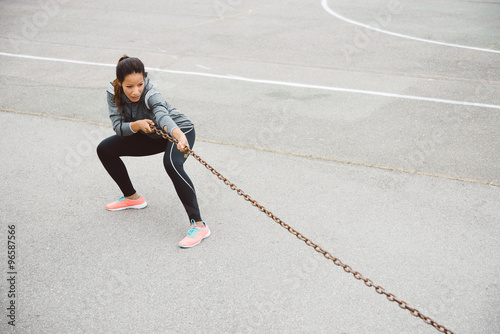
[[138, 145]]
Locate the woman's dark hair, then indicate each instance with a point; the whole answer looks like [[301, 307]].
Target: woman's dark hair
[[126, 65]]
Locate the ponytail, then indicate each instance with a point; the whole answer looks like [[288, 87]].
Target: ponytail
[[118, 92]]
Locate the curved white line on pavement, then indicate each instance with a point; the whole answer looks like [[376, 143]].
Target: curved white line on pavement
[[324, 3], [270, 82]]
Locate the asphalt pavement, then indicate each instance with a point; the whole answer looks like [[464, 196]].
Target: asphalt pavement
[[371, 129]]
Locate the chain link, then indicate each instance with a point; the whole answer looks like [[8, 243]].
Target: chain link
[[369, 283]]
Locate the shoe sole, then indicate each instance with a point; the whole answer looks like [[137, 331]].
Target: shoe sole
[[138, 206], [208, 234]]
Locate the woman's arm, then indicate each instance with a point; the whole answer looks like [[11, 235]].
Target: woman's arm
[[158, 106], [143, 124], [121, 127]]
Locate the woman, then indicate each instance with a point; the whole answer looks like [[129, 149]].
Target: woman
[[134, 106]]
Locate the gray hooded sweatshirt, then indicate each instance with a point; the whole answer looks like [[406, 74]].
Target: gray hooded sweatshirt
[[151, 106]]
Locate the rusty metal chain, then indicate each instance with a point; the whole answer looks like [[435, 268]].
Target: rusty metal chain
[[369, 283]]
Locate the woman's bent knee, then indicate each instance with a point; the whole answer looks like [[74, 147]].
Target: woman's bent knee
[[101, 150], [104, 148]]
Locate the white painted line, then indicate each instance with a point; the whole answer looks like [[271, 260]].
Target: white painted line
[[324, 3], [203, 67], [56, 60], [271, 82]]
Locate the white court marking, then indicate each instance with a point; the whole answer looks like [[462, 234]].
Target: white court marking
[[324, 3], [269, 82]]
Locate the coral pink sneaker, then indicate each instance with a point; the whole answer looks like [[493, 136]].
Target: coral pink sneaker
[[124, 203], [195, 235]]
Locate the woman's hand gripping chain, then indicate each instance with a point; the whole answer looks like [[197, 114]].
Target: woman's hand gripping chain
[[182, 143]]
